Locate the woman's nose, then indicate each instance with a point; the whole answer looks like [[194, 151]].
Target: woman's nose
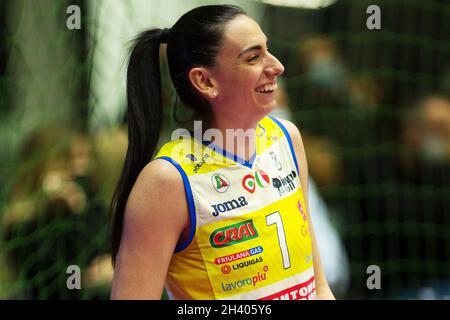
[[274, 67]]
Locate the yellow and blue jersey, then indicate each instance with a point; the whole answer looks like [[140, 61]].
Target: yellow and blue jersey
[[249, 235]]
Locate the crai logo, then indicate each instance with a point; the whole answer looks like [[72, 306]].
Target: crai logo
[[220, 182], [233, 234]]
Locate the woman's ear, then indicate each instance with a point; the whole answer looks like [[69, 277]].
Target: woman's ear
[[201, 80]]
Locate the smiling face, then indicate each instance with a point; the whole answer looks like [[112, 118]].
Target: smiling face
[[245, 74]]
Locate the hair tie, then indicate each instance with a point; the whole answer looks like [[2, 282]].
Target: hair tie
[[164, 35]]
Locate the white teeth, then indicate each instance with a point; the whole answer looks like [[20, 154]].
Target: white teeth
[[267, 88]]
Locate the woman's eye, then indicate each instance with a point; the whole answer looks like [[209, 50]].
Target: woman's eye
[[252, 58]]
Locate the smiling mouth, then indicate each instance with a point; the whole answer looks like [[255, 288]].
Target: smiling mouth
[[268, 88]]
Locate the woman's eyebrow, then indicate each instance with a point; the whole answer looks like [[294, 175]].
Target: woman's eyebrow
[[255, 47]]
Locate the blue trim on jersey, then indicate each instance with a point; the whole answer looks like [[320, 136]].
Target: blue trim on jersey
[[227, 154], [190, 200], [288, 137], [230, 155]]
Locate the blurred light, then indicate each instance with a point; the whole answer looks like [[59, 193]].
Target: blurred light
[[307, 4]]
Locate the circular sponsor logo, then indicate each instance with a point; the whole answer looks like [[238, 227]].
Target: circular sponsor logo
[[220, 182], [226, 269], [262, 179], [265, 268], [249, 183]]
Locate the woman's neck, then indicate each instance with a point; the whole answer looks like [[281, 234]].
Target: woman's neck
[[237, 136]]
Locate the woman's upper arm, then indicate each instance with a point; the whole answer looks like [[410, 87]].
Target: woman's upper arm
[[155, 216]]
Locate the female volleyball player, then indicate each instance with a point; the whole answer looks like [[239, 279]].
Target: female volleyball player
[[213, 218]]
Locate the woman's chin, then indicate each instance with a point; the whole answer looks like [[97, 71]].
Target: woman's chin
[[268, 107]]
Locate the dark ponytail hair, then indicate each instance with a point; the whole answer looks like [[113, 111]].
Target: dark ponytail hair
[[194, 40]]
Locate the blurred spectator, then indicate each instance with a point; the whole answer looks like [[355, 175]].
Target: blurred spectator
[[341, 103], [56, 215], [421, 208], [323, 65], [427, 131]]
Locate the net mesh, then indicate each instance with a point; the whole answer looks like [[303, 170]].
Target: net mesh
[[372, 106]]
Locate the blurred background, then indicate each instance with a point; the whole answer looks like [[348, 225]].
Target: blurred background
[[373, 107]]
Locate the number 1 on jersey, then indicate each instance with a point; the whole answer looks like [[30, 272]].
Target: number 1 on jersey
[[275, 218]]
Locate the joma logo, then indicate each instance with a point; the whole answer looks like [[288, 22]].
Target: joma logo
[[228, 206]]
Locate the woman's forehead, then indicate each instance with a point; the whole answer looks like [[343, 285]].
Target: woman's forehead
[[242, 32]]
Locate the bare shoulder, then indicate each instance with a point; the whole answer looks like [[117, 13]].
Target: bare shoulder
[[159, 177], [296, 138], [293, 131], [158, 194], [159, 174]]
